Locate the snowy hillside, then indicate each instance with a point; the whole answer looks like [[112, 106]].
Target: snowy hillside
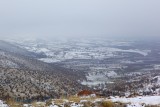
[[23, 77]]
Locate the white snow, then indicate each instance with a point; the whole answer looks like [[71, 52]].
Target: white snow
[[148, 100], [91, 83], [27, 105], [49, 60], [156, 67], [2, 104], [53, 106], [158, 79], [111, 74], [135, 105], [142, 52], [76, 105]]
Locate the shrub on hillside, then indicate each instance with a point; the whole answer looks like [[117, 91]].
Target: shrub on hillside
[[107, 104]]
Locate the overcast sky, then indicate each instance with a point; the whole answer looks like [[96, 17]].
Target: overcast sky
[[80, 18]]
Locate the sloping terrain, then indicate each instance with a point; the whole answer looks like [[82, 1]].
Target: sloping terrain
[[23, 77], [106, 63]]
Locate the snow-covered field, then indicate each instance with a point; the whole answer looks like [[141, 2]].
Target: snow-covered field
[[138, 101], [61, 50], [92, 53]]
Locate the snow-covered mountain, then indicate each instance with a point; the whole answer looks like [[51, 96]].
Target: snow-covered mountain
[[103, 64]]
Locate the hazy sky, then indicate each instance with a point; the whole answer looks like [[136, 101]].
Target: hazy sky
[[80, 18]]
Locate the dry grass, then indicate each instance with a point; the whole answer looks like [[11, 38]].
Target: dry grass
[[39, 104], [74, 99], [49, 102], [77, 99], [59, 101], [13, 103]]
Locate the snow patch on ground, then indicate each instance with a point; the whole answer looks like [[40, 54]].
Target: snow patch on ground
[[2, 104], [142, 52], [96, 78], [156, 67], [111, 74], [148, 100], [49, 60]]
